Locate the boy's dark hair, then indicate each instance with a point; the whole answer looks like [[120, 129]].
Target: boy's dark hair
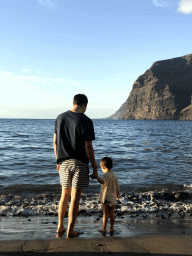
[[80, 99], [107, 162]]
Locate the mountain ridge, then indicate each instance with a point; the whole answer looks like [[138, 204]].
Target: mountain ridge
[[162, 92]]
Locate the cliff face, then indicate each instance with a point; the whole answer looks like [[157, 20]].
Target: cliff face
[[162, 92], [186, 113]]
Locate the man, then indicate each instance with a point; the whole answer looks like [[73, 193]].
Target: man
[[72, 142]]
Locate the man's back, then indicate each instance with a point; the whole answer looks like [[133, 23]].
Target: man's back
[[72, 130]]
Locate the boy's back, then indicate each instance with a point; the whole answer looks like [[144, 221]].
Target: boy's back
[[109, 188]]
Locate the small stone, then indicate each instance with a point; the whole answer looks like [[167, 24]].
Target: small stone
[[50, 213], [163, 217]]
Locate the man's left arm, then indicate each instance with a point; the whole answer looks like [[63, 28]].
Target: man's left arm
[[55, 148]]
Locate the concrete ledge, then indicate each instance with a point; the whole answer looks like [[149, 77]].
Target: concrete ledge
[[141, 245]]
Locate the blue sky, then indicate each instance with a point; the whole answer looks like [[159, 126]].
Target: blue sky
[[51, 50]]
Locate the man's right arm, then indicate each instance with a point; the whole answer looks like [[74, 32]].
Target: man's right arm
[[55, 144], [55, 148], [91, 156]]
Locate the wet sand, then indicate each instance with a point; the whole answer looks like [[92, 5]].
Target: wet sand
[[128, 225], [144, 233]]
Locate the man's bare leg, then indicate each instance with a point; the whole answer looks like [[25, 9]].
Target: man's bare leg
[[65, 194], [73, 210]]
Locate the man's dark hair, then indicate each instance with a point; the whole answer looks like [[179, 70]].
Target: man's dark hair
[[107, 162], [80, 100]]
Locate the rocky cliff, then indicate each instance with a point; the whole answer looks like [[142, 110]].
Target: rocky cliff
[[162, 92]]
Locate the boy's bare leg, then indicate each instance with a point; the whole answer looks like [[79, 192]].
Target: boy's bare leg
[[73, 210], [105, 216], [65, 194], [112, 217]]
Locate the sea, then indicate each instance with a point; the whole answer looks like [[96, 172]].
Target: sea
[[152, 160]]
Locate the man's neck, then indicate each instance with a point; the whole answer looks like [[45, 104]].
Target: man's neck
[[77, 109]]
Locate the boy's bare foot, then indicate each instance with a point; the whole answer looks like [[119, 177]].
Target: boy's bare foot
[[61, 230]]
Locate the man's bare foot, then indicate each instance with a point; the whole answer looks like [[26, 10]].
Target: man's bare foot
[[102, 230], [61, 230], [72, 234]]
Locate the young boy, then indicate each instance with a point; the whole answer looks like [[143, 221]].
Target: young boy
[[109, 192]]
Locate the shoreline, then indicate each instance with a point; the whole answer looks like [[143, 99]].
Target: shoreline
[[126, 225]]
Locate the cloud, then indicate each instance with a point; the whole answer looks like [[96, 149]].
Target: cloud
[[20, 89], [185, 6], [47, 3], [26, 70], [161, 3]]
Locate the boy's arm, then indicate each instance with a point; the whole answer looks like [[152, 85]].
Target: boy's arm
[[117, 193], [101, 181]]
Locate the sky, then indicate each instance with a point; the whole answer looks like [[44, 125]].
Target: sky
[[51, 50]]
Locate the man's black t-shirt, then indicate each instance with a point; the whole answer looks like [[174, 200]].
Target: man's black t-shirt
[[72, 130]]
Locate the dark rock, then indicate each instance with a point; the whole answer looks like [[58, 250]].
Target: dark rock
[[163, 217], [162, 92], [109, 252], [82, 211], [50, 213]]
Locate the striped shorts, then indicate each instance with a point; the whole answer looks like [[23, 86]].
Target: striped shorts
[[74, 173]]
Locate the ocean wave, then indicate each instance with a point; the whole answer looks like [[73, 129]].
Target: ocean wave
[[179, 202]]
